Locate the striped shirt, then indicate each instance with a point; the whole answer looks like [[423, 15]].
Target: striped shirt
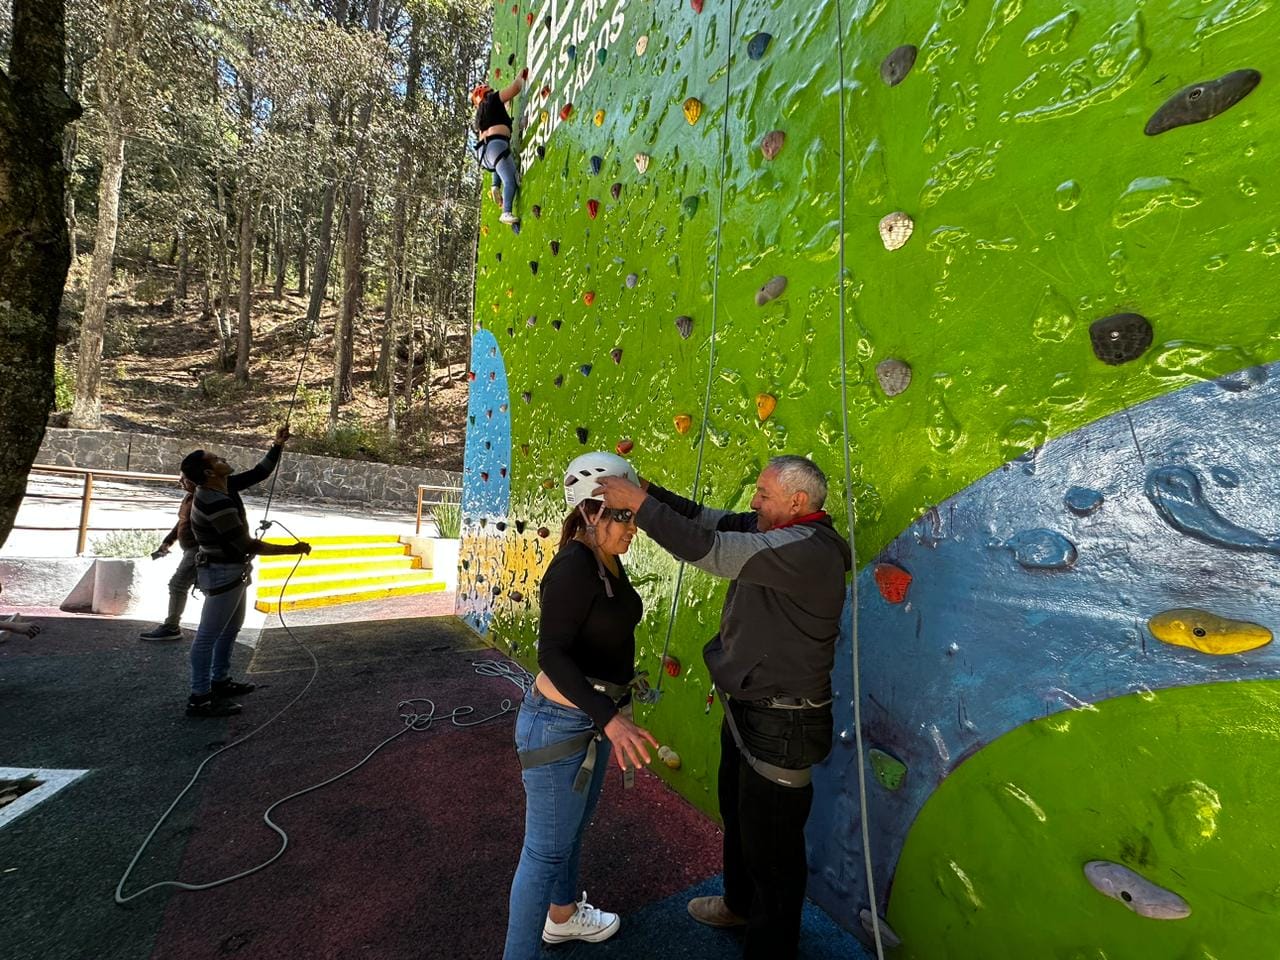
[[218, 519]]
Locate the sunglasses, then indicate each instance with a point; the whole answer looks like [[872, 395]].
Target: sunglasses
[[618, 516]]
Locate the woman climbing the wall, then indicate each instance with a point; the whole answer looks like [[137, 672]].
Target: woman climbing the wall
[[493, 141], [577, 714]]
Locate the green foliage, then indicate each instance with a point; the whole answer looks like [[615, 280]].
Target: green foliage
[[223, 388], [64, 383], [127, 544], [447, 517]]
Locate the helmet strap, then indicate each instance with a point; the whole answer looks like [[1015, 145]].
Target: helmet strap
[[594, 544]]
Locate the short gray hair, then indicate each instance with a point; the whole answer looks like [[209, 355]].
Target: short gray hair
[[801, 475]]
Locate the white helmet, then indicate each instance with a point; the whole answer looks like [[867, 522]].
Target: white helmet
[[582, 473]]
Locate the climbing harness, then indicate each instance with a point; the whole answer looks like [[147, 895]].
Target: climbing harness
[[479, 150], [783, 776], [554, 752]]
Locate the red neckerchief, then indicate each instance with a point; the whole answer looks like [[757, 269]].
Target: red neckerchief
[[807, 518]]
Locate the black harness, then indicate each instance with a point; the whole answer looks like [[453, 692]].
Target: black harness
[[782, 776], [480, 151]]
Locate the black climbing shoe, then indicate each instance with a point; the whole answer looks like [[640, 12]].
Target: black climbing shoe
[[210, 706], [222, 689], [161, 632]]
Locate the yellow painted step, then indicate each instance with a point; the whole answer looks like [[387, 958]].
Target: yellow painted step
[[340, 582], [318, 565], [367, 539], [324, 598], [330, 551]]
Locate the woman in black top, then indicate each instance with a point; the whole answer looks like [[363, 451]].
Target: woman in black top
[[493, 140], [577, 711]]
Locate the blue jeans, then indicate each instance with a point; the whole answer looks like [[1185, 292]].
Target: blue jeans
[[555, 818], [220, 621], [504, 171]]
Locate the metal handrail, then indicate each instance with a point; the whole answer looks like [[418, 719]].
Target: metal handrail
[[423, 487], [86, 495]]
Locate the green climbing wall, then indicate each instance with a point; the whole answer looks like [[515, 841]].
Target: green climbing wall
[[1014, 146]]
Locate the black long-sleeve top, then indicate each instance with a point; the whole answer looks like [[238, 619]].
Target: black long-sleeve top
[[218, 521], [582, 632]]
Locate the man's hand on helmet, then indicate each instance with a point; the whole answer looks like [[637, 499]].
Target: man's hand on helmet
[[619, 493]]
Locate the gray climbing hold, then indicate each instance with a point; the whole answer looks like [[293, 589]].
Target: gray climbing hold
[[771, 290], [1202, 101], [526, 396], [894, 376], [615, 191], [559, 380], [684, 325], [582, 434], [585, 369], [533, 319], [1083, 501], [537, 211], [616, 354], [758, 44], [533, 265], [887, 937], [632, 280], [1135, 891], [1120, 338], [596, 163], [772, 143], [895, 67], [555, 247]]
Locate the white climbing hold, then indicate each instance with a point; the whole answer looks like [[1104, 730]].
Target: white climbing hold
[[642, 45], [642, 162], [771, 290], [895, 230], [1135, 891]]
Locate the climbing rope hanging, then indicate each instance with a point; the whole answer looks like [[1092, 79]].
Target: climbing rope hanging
[[851, 515], [711, 338]]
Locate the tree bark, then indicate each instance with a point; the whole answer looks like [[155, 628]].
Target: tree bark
[[34, 247], [87, 411], [244, 339], [277, 291], [184, 257]]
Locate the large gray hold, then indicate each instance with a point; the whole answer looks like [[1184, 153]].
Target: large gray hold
[[894, 376], [1203, 101], [1120, 337], [895, 67], [771, 291], [1135, 891]]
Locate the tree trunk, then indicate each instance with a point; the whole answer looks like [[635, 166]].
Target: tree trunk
[[303, 223], [324, 251], [343, 339], [34, 250], [244, 340], [224, 280], [277, 291], [87, 411]]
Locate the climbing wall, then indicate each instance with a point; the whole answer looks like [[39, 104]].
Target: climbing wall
[[1017, 258]]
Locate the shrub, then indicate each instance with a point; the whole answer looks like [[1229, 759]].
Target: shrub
[[64, 383], [448, 519], [127, 544]]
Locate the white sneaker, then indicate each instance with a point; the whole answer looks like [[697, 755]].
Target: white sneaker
[[509, 218], [587, 923]]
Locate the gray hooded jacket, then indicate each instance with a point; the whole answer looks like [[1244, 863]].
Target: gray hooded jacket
[[781, 616]]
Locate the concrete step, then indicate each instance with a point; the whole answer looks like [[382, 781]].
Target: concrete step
[[324, 598], [322, 564]]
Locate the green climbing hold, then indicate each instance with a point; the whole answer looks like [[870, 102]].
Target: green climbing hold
[[601, 54], [758, 44], [889, 770], [690, 205]]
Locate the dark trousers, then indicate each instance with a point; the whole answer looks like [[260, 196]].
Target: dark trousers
[[765, 868]]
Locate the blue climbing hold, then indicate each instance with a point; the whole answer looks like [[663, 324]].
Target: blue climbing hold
[[758, 44], [572, 51], [596, 164], [585, 369], [1082, 501], [1041, 549]]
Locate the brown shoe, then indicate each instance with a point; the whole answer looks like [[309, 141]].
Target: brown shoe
[[714, 912]]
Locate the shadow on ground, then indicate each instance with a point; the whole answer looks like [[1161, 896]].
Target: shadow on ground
[[410, 856]]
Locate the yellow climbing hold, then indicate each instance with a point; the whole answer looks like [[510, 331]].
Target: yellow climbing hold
[[598, 119], [765, 404], [692, 110], [484, 229], [669, 757], [544, 116], [683, 422], [1207, 632]]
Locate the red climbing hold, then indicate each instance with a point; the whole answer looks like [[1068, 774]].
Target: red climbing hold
[[546, 92], [589, 297], [623, 447], [543, 532], [484, 476], [671, 665], [593, 207], [528, 19], [471, 375], [565, 111], [893, 581], [697, 5]]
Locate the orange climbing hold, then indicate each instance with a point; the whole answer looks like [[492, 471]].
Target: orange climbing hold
[[623, 447], [598, 119], [589, 297], [893, 581], [528, 19], [565, 111], [765, 405], [683, 422], [692, 110]]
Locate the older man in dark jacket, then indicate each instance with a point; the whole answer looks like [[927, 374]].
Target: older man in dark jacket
[[771, 663]]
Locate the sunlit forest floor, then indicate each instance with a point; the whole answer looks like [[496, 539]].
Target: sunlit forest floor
[[160, 374]]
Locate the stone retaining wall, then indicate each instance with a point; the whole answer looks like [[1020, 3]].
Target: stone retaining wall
[[301, 476]]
